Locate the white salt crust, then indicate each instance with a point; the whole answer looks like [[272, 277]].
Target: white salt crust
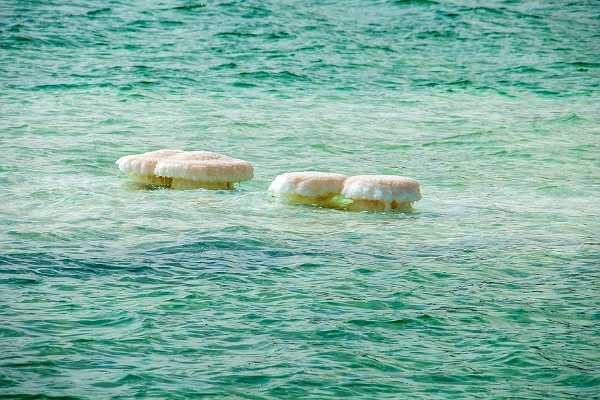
[[143, 165], [382, 188], [310, 184], [205, 166], [186, 170]]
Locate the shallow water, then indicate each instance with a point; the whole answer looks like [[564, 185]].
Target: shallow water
[[488, 289]]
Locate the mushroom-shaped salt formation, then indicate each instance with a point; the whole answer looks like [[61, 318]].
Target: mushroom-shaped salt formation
[[381, 192], [141, 166], [204, 169], [309, 187]]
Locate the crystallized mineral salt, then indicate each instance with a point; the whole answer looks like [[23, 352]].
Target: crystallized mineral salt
[[186, 170], [381, 192], [204, 169], [141, 166], [309, 187]]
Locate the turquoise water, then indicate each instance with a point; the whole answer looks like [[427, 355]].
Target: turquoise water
[[488, 289]]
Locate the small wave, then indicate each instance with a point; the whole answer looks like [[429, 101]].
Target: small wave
[[585, 64], [67, 86], [524, 69], [190, 7], [437, 34], [415, 2], [461, 82], [568, 118], [244, 85], [99, 11], [15, 28], [273, 75], [237, 34], [224, 66], [279, 35]]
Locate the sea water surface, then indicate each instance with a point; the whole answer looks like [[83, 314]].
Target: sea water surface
[[490, 288]]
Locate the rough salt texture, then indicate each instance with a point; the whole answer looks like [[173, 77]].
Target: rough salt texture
[[308, 184], [205, 166], [145, 163], [384, 188]]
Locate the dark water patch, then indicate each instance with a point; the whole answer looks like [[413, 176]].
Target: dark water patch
[[245, 85], [549, 93], [461, 82], [382, 48], [224, 66], [169, 22], [15, 28], [438, 34], [254, 12], [10, 332], [280, 35], [20, 281], [99, 11], [584, 64], [134, 47]]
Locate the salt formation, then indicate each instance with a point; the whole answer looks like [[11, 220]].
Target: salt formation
[[186, 170], [310, 187], [141, 166], [204, 169], [381, 192]]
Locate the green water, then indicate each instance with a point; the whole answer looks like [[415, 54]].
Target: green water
[[488, 289]]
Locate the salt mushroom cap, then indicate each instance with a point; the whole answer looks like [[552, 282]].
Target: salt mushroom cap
[[205, 166], [145, 163], [386, 188], [308, 184]]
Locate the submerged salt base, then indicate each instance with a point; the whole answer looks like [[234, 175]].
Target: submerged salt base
[[186, 169], [381, 192], [141, 166], [309, 187]]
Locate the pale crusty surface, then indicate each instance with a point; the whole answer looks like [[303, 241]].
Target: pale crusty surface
[[205, 166], [145, 163], [308, 183], [385, 188]]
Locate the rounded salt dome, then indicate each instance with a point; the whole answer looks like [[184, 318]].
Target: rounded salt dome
[[309, 183], [381, 192], [144, 164], [309, 187], [206, 169]]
